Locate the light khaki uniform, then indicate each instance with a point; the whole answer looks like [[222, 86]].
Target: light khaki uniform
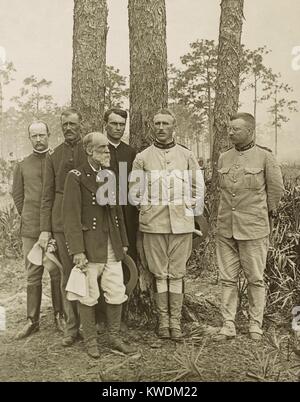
[[172, 181], [251, 186]]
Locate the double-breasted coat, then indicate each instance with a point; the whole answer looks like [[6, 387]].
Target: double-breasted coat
[[87, 224]]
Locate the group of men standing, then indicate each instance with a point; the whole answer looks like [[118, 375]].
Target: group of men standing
[[38, 192], [56, 194]]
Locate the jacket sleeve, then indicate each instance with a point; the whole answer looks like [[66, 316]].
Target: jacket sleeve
[[198, 186], [122, 227], [18, 188], [48, 195], [274, 182], [71, 209]]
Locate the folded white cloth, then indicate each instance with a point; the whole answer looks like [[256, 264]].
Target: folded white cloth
[[35, 255], [77, 284]]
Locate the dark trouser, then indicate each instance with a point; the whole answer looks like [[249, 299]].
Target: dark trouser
[[34, 284], [131, 218], [70, 308]]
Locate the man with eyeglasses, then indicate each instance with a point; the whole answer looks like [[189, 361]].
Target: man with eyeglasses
[[251, 186]]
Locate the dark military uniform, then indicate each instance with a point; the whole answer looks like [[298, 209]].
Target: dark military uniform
[[125, 153], [87, 225], [99, 232], [59, 162], [27, 193]]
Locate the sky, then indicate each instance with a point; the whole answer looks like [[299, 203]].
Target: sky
[[37, 37]]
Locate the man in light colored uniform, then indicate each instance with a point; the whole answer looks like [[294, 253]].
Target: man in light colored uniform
[[251, 187], [172, 190]]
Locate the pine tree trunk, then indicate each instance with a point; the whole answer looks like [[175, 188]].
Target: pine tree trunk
[[148, 67], [89, 60], [148, 93], [276, 121], [1, 121], [227, 98], [227, 81]]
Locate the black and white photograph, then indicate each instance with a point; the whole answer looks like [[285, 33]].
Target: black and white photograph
[[149, 193]]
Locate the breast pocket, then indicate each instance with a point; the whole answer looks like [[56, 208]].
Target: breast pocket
[[224, 178], [254, 178]]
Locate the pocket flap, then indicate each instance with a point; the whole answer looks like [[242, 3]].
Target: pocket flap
[[224, 170], [145, 208], [253, 170]]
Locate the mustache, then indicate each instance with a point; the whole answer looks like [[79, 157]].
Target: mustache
[[69, 130]]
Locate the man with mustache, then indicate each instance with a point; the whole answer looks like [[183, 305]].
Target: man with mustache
[[26, 193], [96, 235], [65, 157], [251, 187], [170, 194]]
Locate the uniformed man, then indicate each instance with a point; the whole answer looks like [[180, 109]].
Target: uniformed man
[[97, 240], [65, 157], [27, 193], [172, 189], [121, 159], [251, 187]]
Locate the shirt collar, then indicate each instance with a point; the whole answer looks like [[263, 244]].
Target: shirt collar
[[72, 143], [94, 170], [114, 145], [35, 152], [164, 146], [245, 147]]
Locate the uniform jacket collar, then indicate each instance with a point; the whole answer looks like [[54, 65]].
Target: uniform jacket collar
[[73, 143], [245, 147], [89, 178]]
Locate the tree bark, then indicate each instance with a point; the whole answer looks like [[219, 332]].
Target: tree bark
[[276, 121], [227, 81], [1, 121], [148, 67], [226, 100], [89, 61], [148, 93]]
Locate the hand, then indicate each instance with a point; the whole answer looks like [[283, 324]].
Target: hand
[[125, 249], [44, 240], [193, 203], [80, 261]]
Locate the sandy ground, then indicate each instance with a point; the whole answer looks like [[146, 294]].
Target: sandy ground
[[42, 358]]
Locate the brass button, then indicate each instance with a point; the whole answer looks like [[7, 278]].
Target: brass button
[[233, 209], [233, 195], [93, 203]]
